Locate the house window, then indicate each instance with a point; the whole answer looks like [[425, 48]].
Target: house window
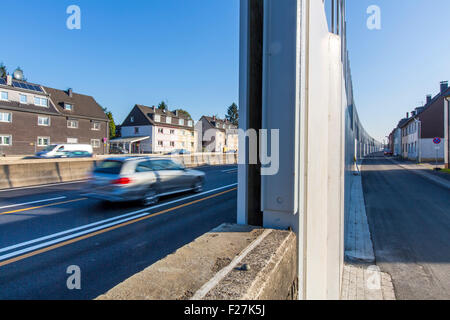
[[43, 141], [68, 107], [181, 122], [4, 95], [192, 133], [44, 121], [190, 123], [5, 140], [23, 98], [192, 144], [131, 119], [72, 124], [168, 119], [72, 140], [172, 131], [95, 143], [160, 130], [41, 102], [157, 118], [172, 143], [160, 143], [96, 126], [136, 130], [5, 117]]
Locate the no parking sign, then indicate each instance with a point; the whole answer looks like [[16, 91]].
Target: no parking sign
[[437, 141]]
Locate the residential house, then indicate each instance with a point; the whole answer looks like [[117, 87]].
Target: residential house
[[217, 135], [425, 124], [153, 130], [33, 116]]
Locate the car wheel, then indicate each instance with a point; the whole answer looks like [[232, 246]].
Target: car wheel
[[150, 198], [198, 186]]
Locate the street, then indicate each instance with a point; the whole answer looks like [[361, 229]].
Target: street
[[44, 230], [409, 220]]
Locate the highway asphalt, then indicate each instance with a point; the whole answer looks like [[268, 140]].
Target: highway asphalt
[[409, 220], [45, 230]]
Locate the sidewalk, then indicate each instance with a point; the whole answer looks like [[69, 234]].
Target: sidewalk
[[425, 170], [362, 279]]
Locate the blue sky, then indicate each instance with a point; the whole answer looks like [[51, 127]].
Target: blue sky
[[186, 53], [396, 67]]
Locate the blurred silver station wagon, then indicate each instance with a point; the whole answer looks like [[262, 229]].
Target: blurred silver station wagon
[[143, 178]]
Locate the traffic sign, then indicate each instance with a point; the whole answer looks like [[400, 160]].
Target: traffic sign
[[437, 140]]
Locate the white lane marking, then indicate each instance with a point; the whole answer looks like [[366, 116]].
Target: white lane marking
[[229, 170], [103, 224], [203, 291], [32, 202], [42, 186]]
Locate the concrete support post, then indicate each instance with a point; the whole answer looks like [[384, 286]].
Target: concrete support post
[[446, 132]]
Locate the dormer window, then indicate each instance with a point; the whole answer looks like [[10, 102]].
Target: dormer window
[[131, 119], [157, 118], [68, 107], [41, 102], [190, 123], [181, 122], [168, 119]]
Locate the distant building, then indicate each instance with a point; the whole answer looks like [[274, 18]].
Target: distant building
[[152, 130], [425, 124], [32, 117], [217, 135]]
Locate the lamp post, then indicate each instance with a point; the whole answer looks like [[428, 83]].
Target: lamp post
[[419, 134]]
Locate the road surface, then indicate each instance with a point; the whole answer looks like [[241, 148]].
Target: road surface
[[409, 219], [45, 230]]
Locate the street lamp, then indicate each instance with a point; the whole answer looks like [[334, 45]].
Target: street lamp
[[419, 133]]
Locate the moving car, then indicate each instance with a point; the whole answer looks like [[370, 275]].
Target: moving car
[[141, 178], [65, 150]]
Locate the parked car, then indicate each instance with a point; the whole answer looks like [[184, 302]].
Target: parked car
[[178, 151], [141, 178], [117, 150], [64, 150]]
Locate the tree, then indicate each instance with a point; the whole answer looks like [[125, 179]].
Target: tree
[[163, 106], [184, 113], [3, 70], [112, 124], [233, 114]]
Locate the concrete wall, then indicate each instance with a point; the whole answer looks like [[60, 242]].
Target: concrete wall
[[22, 173]]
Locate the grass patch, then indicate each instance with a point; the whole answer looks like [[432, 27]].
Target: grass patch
[[445, 171]]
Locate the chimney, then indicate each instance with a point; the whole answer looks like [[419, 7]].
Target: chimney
[[444, 86], [70, 92], [407, 115], [429, 97], [9, 80], [153, 107], [214, 118], [176, 113], [413, 114]]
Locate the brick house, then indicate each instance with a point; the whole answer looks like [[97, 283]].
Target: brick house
[[33, 117], [425, 124]]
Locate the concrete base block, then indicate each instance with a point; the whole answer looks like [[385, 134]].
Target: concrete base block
[[232, 262]]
